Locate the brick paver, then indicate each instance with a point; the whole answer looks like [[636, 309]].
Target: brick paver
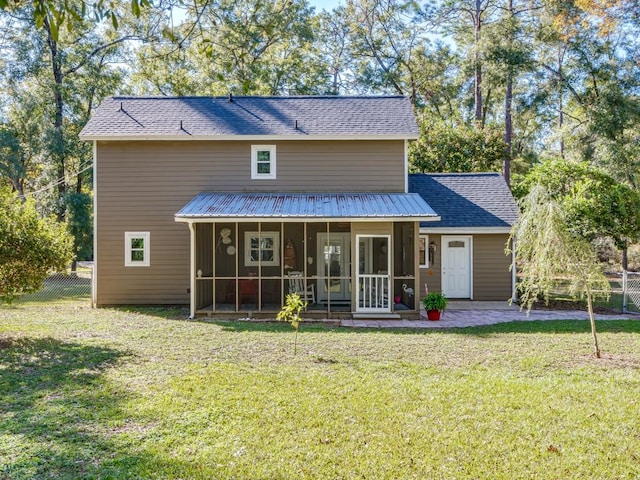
[[467, 318]]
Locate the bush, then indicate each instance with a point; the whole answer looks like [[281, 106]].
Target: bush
[[30, 247]]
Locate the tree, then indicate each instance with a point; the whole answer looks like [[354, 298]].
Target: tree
[[456, 148], [594, 203], [55, 14], [246, 47], [550, 254], [30, 247]]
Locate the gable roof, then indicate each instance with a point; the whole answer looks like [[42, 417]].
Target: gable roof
[[296, 118], [466, 200]]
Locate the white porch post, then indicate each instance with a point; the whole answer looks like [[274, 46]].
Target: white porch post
[[192, 272]]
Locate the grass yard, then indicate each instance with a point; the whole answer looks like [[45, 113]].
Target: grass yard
[[116, 394]]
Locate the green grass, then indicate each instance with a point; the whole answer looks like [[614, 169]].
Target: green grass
[[145, 394]]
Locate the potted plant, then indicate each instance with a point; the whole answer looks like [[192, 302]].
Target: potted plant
[[434, 303]]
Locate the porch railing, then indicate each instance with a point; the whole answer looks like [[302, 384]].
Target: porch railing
[[374, 292]]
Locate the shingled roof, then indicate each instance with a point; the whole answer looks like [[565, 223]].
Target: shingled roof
[[182, 118], [466, 200]]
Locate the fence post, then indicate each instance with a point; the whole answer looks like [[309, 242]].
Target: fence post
[[624, 291]]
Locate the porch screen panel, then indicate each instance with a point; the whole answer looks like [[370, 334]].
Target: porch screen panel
[[225, 245]]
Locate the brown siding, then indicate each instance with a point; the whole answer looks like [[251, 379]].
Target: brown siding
[[141, 185], [491, 275]]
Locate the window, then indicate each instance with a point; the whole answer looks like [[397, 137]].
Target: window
[[136, 249], [423, 251], [261, 249], [263, 161]]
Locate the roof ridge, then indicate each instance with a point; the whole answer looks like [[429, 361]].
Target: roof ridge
[[263, 97], [457, 174]]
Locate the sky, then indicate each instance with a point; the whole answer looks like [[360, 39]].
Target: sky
[[324, 4]]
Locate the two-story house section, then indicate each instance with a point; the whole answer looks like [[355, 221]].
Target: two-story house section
[[230, 203]]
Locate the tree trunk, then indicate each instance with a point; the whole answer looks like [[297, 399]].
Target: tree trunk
[[508, 130], [592, 320], [476, 64], [508, 124], [560, 101], [58, 153]]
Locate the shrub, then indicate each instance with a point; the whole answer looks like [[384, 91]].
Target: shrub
[[30, 247]]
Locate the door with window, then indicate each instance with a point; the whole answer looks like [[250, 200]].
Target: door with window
[[334, 253], [373, 278], [456, 266]]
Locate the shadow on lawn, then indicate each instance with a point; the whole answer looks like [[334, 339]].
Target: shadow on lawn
[[57, 413]]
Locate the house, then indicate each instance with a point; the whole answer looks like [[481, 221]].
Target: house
[[229, 203], [463, 253]]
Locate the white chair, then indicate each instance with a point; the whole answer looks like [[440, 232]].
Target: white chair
[[296, 285]]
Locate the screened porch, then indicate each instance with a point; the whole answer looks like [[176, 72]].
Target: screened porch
[[250, 267]]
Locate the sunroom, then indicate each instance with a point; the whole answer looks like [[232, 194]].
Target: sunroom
[[345, 254]]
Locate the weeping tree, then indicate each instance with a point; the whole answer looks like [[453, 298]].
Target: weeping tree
[[551, 254]]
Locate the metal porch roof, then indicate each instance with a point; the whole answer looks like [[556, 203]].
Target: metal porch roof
[[305, 206]]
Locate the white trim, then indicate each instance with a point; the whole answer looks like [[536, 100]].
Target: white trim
[[255, 149], [251, 138], [464, 230], [443, 240], [94, 273], [275, 236], [303, 219], [426, 251], [146, 249], [192, 275], [356, 284]]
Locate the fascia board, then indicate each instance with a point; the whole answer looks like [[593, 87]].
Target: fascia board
[[251, 138]]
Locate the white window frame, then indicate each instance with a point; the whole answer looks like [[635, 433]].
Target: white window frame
[[146, 249], [426, 250], [254, 162], [275, 238]]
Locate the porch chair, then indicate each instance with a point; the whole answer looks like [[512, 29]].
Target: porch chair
[[296, 285]]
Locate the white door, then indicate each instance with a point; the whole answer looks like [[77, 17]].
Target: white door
[[456, 266], [374, 259], [334, 256]]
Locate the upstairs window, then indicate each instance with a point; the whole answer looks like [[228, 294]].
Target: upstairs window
[[263, 162], [136, 249]]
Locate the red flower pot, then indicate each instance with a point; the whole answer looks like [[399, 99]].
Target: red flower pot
[[433, 314]]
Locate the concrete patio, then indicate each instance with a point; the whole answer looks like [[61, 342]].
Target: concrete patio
[[471, 313]]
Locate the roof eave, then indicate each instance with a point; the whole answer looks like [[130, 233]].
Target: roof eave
[[261, 138], [465, 230], [209, 219]]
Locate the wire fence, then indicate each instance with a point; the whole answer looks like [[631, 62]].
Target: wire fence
[[631, 292], [75, 286], [63, 287]]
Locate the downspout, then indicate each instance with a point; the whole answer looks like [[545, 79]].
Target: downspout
[[406, 166], [192, 274], [514, 278], [94, 272]]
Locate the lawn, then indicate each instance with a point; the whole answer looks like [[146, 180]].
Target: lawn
[[140, 394]]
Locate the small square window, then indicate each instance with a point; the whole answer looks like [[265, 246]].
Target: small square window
[[263, 162], [262, 249], [136, 249]]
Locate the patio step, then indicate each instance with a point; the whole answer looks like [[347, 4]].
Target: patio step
[[376, 316]]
